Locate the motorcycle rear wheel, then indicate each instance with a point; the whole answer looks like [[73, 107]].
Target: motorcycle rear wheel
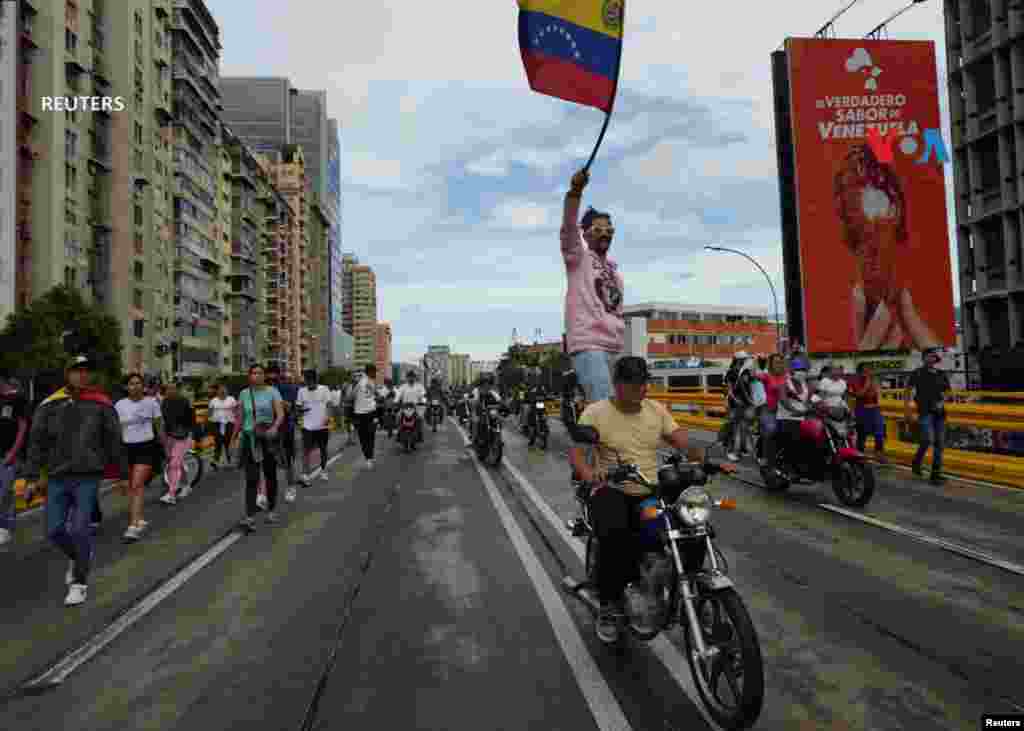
[[742, 653], [854, 485], [495, 453], [543, 439]]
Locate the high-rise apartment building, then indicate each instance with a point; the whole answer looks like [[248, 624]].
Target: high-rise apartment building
[[226, 221], [268, 113], [458, 369], [280, 345], [348, 264], [383, 347], [252, 195], [339, 338], [985, 52], [199, 263], [9, 113], [92, 208], [318, 283], [364, 315]]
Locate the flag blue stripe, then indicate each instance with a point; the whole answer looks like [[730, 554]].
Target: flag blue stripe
[[594, 52]]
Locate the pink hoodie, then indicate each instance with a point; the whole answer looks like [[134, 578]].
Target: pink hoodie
[[593, 301]]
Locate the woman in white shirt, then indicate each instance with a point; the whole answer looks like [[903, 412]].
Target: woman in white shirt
[[141, 454], [221, 416]]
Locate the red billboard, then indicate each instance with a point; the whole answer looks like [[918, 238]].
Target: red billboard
[[870, 195]]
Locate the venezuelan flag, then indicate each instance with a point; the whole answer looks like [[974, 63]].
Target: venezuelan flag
[[571, 48]]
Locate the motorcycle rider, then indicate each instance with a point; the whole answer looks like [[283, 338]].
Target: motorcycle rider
[[413, 393], [793, 406], [634, 427], [594, 324], [830, 388], [927, 387], [436, 392], [484, 395]]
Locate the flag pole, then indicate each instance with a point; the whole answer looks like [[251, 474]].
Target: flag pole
[[615, 92]]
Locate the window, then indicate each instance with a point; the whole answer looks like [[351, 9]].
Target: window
[[70, 277], [139, 82], [138, 272], [138, 133], [70, 176], [70, 41], [139, 245], [138, 327], [138, 51], [70, 144], [70, 13], [72, 116], [138, 22], [137, 299], [138, 215]]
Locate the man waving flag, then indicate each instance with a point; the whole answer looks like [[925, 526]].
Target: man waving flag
[[571, 48]]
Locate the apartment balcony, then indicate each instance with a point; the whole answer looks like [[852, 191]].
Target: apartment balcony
[[77, 62], [100, 69], [161, 10], [100, 159], [162, 109]]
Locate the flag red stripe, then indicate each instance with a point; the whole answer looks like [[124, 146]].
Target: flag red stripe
[[560, 78]]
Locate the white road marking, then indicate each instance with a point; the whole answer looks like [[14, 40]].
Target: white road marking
[[930, 540], [663, 649], [603, 704], [75, 659]]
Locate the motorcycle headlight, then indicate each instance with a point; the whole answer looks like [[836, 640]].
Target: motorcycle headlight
[[494, 413], [693, 506], [542, 406]]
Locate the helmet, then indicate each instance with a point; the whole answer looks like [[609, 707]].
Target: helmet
[[631, 369], [742, 355], [799, 363]]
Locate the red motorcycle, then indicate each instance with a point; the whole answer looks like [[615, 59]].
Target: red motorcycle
[[407, 427], [826, 449]]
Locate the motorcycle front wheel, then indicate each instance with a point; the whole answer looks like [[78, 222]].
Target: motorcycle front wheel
[[731, 683], [854, 484], [543, 439], [497, 448]]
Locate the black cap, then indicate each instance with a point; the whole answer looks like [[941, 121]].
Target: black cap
[[631, 369]]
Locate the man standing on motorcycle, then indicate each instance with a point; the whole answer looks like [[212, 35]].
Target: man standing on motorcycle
[[594, 325], [631, 427], [413, 393]]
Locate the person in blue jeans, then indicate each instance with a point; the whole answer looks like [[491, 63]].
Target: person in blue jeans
[[928, 386], [594, 323], [13, 432], [76, 436]]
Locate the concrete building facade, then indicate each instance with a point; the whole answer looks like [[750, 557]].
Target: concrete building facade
[[9, 112], [458, 369], [383, 347], [337, 292], [985, 58], [706, 331], [364, 314]]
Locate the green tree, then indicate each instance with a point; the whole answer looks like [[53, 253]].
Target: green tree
[[335, 377], [38, 340]]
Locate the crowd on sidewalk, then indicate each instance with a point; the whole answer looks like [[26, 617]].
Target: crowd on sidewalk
[[78, 437]]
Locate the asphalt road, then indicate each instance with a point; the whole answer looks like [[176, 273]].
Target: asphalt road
[[423, 594]]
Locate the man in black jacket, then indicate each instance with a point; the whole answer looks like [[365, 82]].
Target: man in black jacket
[[928, 386], [75, 435]]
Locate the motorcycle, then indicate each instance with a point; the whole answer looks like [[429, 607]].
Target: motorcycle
[[488, 442], [533, 421], [462, 409], [682, 579], [435, 413], [407, 427], [826, 449]]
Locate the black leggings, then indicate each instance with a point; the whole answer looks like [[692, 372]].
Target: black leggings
[[222, 441], [367, 431], [316, 439], [613, 514], [252, 478]]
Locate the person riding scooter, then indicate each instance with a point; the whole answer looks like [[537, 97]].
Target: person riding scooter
[[412, 392]]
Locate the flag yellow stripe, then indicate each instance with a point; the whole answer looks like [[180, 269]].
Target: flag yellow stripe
[[584, 13]]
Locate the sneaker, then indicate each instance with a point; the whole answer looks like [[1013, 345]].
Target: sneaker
[[272, 517], [76, 595], [733, 457], [608, 620], [69, 576], [289, 495], [261, 502], [184, 492], [916, 469], [169, 499], [369, 464], [248, 525], [5, 536], [133, 533], [324, 477]]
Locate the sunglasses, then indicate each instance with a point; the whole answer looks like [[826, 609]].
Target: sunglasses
[[602, 230]]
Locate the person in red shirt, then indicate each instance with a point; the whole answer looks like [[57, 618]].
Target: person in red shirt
[[868, 412], [774, 381]]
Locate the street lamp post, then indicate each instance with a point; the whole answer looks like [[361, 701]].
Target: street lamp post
[[775, 299]]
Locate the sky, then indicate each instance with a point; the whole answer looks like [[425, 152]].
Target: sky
[[453, 171]]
